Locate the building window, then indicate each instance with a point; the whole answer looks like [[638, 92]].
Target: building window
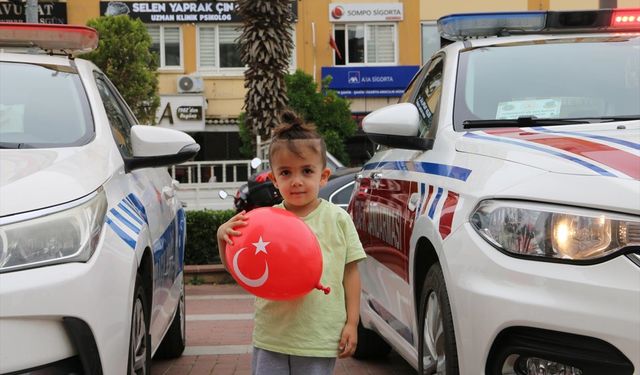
[[218, 48], [430, 40], [365, 43], [165, 42]]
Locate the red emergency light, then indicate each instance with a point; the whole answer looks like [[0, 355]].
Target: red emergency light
[[625, 18], [66, 39]]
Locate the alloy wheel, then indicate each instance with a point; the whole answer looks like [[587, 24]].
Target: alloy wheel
[[434, 340], [138, 340]]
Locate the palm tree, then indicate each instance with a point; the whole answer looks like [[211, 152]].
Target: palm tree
[[265, 46]]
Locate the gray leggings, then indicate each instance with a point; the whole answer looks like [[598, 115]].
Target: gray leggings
[[265, 362]]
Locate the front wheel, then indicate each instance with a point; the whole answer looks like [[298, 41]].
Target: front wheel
[[437, 341], [140, 340]]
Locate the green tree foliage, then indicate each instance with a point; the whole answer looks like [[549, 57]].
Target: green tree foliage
[[201, 246], [124, 55], [328, 111]]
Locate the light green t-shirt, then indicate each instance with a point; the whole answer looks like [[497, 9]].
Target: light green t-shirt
[[311, 325]]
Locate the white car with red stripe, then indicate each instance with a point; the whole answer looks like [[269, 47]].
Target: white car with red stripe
[[92, 235], [501, 213]]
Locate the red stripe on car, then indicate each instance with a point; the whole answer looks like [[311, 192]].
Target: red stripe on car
[[617, 159], [446, 216], [426, 201]]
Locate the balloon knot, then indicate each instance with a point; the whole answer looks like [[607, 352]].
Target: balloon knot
[[325, 289]]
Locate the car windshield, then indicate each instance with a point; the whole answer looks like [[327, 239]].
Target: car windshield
[[42, 106], [571, 78]]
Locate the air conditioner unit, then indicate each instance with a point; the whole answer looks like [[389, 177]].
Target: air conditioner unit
[[190, 84]]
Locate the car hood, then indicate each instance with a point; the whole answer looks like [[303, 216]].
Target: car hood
[[605, 149], [39, 178]]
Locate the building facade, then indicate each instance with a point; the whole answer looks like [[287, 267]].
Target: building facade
[[370, 48]]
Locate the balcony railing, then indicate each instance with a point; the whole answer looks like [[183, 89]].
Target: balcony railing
[[211, 172]]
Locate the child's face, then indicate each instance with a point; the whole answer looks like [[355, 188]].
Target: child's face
[[299, 178]]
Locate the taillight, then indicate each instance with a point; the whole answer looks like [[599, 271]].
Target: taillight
[[625, 18]]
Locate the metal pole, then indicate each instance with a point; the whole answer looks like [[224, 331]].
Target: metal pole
[[31, 11]]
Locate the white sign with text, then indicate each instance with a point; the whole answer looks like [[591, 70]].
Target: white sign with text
[[182, 112], [365, 12]]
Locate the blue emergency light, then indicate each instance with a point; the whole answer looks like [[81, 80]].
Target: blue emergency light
[[473, 25]]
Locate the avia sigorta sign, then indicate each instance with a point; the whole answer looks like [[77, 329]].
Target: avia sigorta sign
[[363, 81]]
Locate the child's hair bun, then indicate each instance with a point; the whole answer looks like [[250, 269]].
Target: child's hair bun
[[290, 119]]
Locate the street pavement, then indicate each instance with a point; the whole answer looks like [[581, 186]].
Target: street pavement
[[219, 327]]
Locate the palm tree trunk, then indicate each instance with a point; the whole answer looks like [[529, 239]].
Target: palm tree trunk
[[265, 47]]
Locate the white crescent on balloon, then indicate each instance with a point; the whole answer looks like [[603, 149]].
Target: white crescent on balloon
[[254, 283]]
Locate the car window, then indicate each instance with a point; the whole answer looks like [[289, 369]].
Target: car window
[[428, 95], [409, 92], [119, 121], [342, 196], [557, 78], [42, 106]]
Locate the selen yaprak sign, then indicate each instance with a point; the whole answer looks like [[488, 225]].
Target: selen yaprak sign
[[178, 11], [370, 81]]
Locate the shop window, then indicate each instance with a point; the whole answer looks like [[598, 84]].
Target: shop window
[[165, 43], [365, 44]]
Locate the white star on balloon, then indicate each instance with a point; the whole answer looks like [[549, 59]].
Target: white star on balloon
[[261, 246]]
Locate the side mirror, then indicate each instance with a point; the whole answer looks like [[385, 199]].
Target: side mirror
[[222, 194], [159, 147], [397, 125]]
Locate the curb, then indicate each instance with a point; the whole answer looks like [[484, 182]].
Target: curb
[[207, 274]]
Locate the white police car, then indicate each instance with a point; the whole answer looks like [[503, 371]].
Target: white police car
[[501, 214], [91, 234]]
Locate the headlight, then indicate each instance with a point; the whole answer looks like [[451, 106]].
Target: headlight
[[549, 231], [68, 233]]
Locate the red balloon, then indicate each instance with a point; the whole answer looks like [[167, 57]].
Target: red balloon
[[276, 257]]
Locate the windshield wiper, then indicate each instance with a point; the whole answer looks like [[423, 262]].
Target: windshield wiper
[[12, 145], [522, 121], [612, 118]]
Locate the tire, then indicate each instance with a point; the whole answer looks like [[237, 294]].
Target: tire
[[139, 338], [438, 355], [175, 339], [370, 344]]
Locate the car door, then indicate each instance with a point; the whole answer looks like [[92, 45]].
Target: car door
[[151, 193], [397, 193]]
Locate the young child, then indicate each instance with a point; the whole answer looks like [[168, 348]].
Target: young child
[[304, 336]]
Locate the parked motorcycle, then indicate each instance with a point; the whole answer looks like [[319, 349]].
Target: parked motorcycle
[[259, 191]]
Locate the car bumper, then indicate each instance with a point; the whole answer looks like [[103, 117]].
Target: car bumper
[[491, 293], [54, 313]]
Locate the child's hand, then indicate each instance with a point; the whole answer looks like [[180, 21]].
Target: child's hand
[[227, 230], [348, 341]]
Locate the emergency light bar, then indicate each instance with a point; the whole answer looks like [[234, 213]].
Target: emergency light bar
[[66, 39], [471, 25]]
